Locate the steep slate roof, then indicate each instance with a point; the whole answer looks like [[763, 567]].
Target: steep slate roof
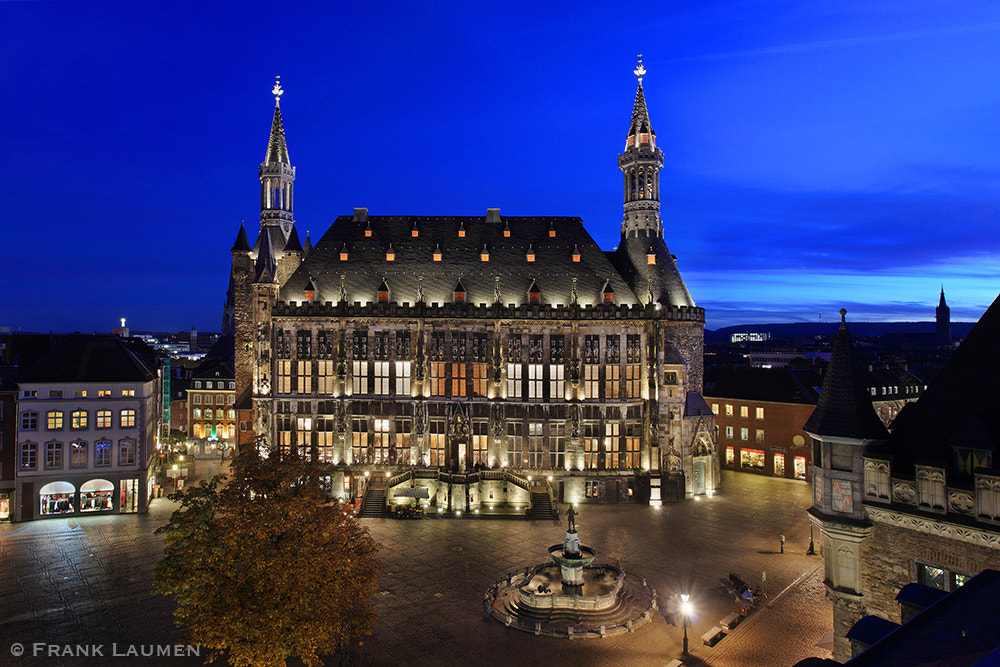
[[776, 385], [277, 151], [845, 407], [90, 358], [640, 115], [553, 268], [242, 243], [961, 406]]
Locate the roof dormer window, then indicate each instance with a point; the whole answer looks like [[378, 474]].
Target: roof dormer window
[[552, 230], [531, 253], [534, 293], [461, 230], [383, 292], [484, 254], [437, 253], [576, 253], [414, 232], [650, 256], [368, 230], [609, 292], [459, 292], [390, 254], [506, 230], [343, 253]]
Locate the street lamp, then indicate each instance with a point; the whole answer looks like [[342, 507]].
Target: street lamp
[[686, 611]]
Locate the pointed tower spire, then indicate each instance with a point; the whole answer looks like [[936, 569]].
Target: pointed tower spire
[[242, 243], [641, 163], [942, 318], [844, 408], [266, 270], [277, 175]]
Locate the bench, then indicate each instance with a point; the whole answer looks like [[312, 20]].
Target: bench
[[731, 621], [713, 636]]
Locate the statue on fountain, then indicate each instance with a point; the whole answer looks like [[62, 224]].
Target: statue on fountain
[[571, 518]]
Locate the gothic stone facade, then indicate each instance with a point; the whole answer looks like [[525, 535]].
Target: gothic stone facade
[[478, 341]]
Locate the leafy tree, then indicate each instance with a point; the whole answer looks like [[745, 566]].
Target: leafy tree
[[263, 567]]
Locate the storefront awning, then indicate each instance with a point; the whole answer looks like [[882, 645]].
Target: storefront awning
[[418, 492]]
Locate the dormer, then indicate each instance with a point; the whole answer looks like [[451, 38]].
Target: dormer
[[484, 254], [461, 230], [390, 254], [310, 291], [459, 292], [343, 253], [531, 253], [383, 292], [576, 253], [438, 256], [608, 292], [414, 232], [552, 230], [534, 293]]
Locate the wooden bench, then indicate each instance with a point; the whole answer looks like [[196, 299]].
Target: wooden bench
[[713, 636], [731, 621]]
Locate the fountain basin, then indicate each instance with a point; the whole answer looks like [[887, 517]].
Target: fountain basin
[[546, 589]]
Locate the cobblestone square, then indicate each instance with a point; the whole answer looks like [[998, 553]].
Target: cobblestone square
[[87, 582]]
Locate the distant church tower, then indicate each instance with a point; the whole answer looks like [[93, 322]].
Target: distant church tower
[[942, 315], [842, 426]]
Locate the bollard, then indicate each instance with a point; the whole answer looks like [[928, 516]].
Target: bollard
[[781, 539]]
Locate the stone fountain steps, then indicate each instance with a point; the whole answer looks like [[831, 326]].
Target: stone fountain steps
[[631, 598]]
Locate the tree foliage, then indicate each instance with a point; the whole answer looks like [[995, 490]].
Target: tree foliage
[[262, 567]]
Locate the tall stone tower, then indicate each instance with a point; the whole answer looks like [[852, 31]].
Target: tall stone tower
[[842, 426], [942, 316], [258, 271]]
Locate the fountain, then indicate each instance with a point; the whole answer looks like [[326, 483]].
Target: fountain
[[571, 596]]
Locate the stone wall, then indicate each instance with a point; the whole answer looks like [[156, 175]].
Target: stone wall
[[890, 556]]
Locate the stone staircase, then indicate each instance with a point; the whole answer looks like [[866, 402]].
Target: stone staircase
[[373, 504], [541, 506]]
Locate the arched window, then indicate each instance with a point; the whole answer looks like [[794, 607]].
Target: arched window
[[102, 453], [126, 452]]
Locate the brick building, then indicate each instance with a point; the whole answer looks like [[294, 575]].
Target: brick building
[[448, 343], [921, 504]]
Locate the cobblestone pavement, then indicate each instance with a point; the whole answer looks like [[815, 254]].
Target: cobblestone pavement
[[86, 582]]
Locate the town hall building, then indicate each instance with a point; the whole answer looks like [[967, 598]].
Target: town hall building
[[436, 348]]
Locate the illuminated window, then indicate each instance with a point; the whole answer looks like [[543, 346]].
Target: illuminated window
[[480, 440], [760, 413], [104, 419], [304, 373], [612, 445], [800, 467], [324, 376], [591, 381], [104, 393], [438, 380], [359, 440], [80, 393], [436, 441], [744, 434], [591, 445], [557, 381], [484, 254], [744, 411], [459, 374], [359, 377], [752, 459], [479, 382], [535, 381], [54, 420], [127, 418], [514, 380], [128, 392], [284, 376], [197, 413], [633, 380], [779, 465], [531, 254], [715, 408], [729, 410], [380, 442], [729, 432], [381, 369], [403, 378], [633, 435], [730, 456], [759, 436], [612, 381]]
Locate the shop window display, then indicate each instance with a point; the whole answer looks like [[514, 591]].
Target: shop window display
[[57, 498]]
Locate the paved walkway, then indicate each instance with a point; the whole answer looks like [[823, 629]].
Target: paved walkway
[[86, 581]]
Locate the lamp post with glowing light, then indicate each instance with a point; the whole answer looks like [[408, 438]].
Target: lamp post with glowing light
[[686, 611]]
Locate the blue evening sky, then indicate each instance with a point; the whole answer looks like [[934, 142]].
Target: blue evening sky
[[818, 155]]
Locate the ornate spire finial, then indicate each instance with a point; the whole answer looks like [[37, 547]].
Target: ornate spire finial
[[843, 316], [640, 70], [278, 92]]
